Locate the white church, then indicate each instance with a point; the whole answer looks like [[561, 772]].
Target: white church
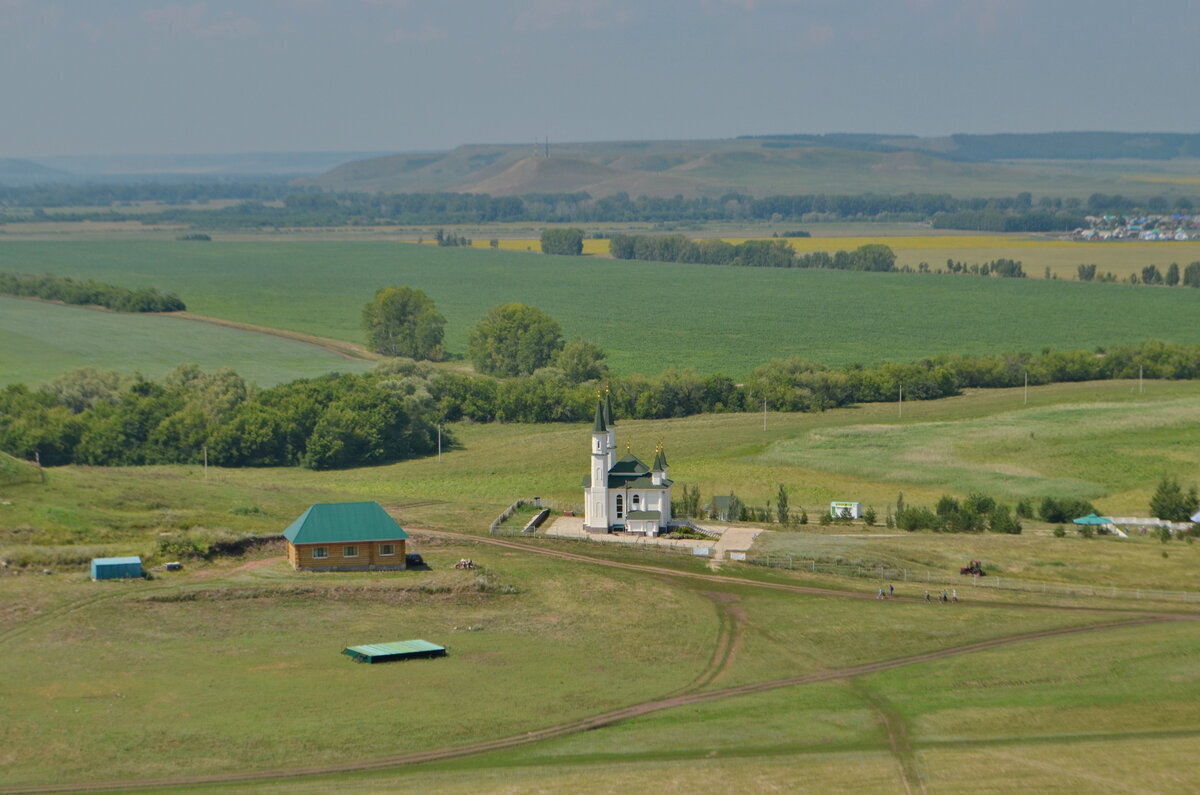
[[623, 495]]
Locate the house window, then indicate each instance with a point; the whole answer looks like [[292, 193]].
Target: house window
[[620, 506], [320, 552], [637, 501], [350, 552], [387, 549]]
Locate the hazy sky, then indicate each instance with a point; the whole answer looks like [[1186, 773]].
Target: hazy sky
[[151, 76]]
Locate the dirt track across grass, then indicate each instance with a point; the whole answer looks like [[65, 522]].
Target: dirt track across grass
[[581, 724], [348, 350]]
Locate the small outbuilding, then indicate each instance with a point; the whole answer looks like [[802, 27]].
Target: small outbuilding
[[845, 510], [116, 568], [398, 650], [346, 536]]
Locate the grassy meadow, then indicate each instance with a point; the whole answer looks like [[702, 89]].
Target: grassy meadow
[[233, 665], [714, 319], [40, 340]]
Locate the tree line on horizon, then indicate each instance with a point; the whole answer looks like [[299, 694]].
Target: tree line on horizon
[[274, 205]]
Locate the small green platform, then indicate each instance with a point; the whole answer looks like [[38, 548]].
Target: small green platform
[[399, 650]]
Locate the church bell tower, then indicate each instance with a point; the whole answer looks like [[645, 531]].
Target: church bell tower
[[595, 513]]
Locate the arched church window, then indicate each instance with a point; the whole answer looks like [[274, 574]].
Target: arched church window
[[637, 501], [620, 506]]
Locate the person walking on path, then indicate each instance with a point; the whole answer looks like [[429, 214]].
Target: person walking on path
[[954, 595], [880, 595], [927, 599], [945, 596], [891, 590]]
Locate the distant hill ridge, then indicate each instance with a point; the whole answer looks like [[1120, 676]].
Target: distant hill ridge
[[16, 172], [1012, 146], [837, 163]]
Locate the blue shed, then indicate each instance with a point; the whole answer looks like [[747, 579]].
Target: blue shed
[[116, 568]]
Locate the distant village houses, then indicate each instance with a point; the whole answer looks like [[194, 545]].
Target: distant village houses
[[1175, 226]]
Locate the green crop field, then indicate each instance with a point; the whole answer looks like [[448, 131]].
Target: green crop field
[[648, 316], [40, 340]]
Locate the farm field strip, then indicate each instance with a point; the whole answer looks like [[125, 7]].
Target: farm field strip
[[711, 318], [1036, 253], [41, 340]]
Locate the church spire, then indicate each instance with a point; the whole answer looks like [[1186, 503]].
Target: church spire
[[608, 408], [599, 426], [660, 459]]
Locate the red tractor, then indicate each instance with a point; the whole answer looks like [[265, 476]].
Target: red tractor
[[975, 569]]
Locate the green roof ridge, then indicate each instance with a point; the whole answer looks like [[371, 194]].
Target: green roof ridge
[[337, 522]]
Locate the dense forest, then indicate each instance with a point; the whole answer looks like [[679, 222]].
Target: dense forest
[[106, 418]]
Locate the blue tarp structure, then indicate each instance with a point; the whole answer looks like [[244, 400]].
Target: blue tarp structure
[[116, 568]]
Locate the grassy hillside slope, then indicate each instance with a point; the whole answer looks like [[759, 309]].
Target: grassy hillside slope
[[779, 165]]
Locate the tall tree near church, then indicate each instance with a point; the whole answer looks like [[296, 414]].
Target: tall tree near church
[[403, 321], [514, 339]]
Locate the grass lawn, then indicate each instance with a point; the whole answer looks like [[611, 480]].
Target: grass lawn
[[716, 319], [41, 340], [245, 671]]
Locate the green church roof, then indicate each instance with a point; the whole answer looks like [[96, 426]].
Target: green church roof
[[629, 465], [338, 522], [598, 426], [608, 420]]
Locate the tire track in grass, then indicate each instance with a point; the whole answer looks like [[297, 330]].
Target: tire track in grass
[[581, 724], [897, 736], [729, 633]]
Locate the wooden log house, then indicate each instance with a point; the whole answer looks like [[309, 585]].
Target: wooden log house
[[346, 536]]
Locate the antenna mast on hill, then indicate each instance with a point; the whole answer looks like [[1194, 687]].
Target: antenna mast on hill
[[547, 147]]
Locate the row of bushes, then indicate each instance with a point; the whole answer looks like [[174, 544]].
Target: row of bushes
[[775, 253], [89, 293]]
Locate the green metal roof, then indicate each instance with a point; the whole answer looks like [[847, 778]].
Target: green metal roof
[[660, 460], [608, 408], [598, 426], [338, 522], [629, 465], [396, 647], [644, 515]]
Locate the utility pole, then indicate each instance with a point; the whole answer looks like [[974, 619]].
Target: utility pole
[[1141, 388], [764, 414], [439, 443], [205, 463], [37, 456], [1027, 388], [901, 401]]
